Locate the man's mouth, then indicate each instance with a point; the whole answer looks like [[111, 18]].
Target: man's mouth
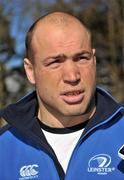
[[74, 93], [73, 97]]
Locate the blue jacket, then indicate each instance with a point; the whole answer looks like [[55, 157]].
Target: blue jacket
[[25, 153]]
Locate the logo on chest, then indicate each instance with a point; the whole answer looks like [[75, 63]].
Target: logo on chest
[[100, 164], [29, 172]]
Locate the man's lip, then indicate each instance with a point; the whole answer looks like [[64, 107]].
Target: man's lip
[[73, 97], [72, 92]]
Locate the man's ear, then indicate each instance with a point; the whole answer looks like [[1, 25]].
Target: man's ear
[[29, 69], [94, 54]]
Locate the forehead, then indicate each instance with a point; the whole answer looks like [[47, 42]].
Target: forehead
[[58, 38]]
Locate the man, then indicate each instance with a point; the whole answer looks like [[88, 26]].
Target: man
[[68, 128]]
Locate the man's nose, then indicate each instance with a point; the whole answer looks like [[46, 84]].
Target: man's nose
[[71, 73]]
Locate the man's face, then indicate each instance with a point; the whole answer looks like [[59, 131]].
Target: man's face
[[64, 71]]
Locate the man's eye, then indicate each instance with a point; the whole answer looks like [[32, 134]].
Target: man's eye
[[53, 63], [82, 58]]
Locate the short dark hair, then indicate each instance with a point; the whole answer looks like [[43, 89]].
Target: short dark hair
[[28, 39]]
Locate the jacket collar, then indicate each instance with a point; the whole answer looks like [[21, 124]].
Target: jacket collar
[[106, 110]]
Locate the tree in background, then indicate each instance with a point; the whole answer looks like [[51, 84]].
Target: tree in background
[[115, 19], [105, 19], [12, 82], [6, 51]]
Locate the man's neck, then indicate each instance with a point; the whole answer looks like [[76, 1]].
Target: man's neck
[[64, 121]]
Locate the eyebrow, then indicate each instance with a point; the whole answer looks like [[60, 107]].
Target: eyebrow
[[83, 52], [55, 57], [64, 56]]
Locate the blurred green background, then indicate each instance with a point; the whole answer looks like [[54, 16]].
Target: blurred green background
[[105, 18]]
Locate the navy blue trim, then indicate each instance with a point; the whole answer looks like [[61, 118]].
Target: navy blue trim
[[92, 127], [3, 129], [44, 145], [106, 108], [106, 92]]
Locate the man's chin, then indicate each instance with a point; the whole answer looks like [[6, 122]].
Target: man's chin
[[74, 113]]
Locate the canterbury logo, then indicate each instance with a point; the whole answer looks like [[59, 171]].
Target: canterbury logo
[[29, 171]]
